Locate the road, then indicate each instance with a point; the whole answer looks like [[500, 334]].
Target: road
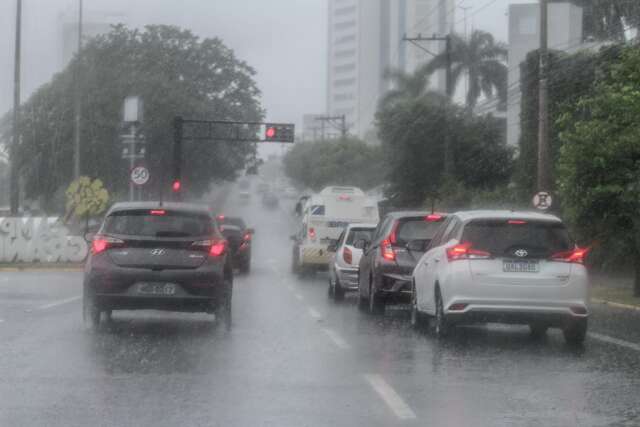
[[294, 358]]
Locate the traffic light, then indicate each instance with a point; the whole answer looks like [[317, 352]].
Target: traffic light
[[277, 132], [176, 186]]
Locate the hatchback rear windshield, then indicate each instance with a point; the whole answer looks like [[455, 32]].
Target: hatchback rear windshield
[[503, 237], [157, 223], [238, 222], [416, 229], [359, 234]]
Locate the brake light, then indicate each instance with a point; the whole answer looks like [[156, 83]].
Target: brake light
[[344, 197], [102, 243], [158, 212], [386, 250], [575, 256], [312, 233], [220, 218], [517, 222], [347, 255], [214, 247], [246, 237], [393, 237], [433, 218], [464, 251]]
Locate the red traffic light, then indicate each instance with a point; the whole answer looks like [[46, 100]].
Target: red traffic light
[[176, 186], [270, 132]]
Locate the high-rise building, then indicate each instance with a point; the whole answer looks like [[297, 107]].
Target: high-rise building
[[365, 40], [565, 33]]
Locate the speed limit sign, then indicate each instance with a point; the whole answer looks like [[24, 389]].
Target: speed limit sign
[[139, 175], [542, 200]]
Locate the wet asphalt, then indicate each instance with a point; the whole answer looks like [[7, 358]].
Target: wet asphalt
[[294, 358]]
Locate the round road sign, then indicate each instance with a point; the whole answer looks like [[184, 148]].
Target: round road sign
[[542, 200], [140, 175]]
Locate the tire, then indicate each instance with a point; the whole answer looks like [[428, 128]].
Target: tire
[[224, 310], [419, 320], [338, 292], [245, 267], [295, 261], [441, 328], [376, 303], [575, 332], [90, 311], [538, 330]]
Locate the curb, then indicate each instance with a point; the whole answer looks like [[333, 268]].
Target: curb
[[616, 304]]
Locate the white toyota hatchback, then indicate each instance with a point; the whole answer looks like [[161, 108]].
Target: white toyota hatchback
[[505, 267]]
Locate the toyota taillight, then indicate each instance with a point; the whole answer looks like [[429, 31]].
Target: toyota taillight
[[347, 256], [386, 250], [213, 247], [575, 256], [465, 251], [102, 243]]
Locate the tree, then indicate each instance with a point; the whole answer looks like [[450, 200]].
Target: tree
[[599, 163], [484, 61], [406, 86], [175, 73], [318, 164]]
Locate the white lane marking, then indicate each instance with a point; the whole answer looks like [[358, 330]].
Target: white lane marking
[[60, 302], [616, 341], [314, 313], [337, 339], [299, 297], [390, 397]]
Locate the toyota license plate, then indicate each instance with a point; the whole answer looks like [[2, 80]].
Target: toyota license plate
[[521, 266], [165, 289]]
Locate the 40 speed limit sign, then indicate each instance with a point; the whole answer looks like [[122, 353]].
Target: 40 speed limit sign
[[140, 175]]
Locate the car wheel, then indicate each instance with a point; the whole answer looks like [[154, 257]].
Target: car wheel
[[441, 327], [330, 291], [245, 267], [90, 311], [575, 332], [418, 319], [376, 303], [538, 330], [223, 311], [338, 291], [295, 261]]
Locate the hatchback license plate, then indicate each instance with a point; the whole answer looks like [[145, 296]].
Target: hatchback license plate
[[157, 288], [521, 266]]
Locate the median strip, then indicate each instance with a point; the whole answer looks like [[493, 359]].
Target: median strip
[[390, 397]]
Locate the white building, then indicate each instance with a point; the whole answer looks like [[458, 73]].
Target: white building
[[365, 39], [565, 33]]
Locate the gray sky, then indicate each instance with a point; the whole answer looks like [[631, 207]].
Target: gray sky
[[284, 40]]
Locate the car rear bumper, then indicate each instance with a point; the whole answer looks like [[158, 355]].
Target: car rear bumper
[[556, 315], [347, 277], [314, 255]]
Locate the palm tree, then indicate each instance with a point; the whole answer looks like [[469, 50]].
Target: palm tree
[[482, 58], [406, 86]]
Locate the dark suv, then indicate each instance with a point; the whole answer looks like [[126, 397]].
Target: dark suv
[[168, 256], [389, 258], [239, 237]]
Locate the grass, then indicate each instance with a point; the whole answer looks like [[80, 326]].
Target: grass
[[622, 295]]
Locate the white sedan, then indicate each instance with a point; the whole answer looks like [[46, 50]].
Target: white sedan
[[506, 267], [343, 264]]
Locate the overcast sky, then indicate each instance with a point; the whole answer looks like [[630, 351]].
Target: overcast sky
[[284, 40]]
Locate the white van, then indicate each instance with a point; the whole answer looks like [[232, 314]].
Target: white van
[[324, 216]]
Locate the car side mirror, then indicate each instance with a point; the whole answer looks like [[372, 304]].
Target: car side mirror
[[361, 244], [250, 231], [88, 236]]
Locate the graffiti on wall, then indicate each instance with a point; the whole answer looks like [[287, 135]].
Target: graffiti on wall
[[39, 239]]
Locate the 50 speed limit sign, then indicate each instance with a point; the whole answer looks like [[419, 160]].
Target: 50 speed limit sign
[[140, 175]]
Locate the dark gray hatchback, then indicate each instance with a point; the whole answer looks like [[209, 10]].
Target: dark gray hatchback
[[164, 257]]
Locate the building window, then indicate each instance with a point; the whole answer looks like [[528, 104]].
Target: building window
[[344, 82], [344, 25], [345, 39], [345, 53], [344, 68]]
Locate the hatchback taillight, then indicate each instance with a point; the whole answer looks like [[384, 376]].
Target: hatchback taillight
[[102, 243], [213, 247], [465, 251], [347, 255], [312, 233], [386, 250], [575, 256]]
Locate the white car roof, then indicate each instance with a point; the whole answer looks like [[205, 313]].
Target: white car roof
[[505, 214], [357, 225]]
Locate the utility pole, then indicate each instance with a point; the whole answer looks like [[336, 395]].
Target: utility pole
[[76, 133], [448, 157], [544, 177], [14, 196]]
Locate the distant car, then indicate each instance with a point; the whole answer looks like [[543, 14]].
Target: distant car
[[270, 200], [239, 237], [503, 266], [389, 258], [148, 255], [343, 264]]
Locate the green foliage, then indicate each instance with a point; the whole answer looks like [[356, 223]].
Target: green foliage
[[335, 162], [482, 58], [413, 134], [599, 163], [174, 72], [86, 197], [608, 19]]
